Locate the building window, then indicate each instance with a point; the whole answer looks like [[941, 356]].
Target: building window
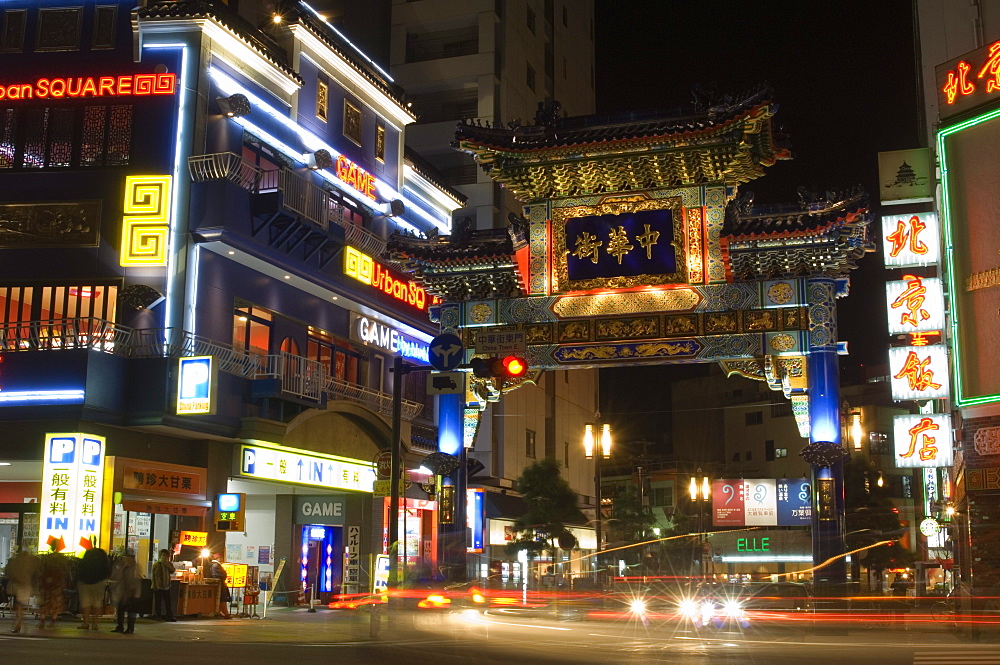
[[780, 452], [566, 454], [781, 409], [336, 355], [531, 20], [59, 29], [252, 329], [753, 418], [736, 457], [23, 304], [119, 136], [104, 27], [749, 456], [878, 443], [352, 122], [380, 143], [529, 443], [769, 450], [565, 16], [531, 78], [8, 128], [13, 30], [322, 100]]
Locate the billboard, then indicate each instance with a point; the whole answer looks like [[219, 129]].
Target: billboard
[[905, 176], [762, 502]]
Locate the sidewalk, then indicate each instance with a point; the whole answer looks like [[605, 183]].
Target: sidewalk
[[283, 624]]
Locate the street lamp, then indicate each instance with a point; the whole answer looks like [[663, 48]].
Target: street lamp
[[700, 498], [595, 450]]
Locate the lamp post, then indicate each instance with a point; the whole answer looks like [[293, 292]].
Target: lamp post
[[602, 449], [700, 498]]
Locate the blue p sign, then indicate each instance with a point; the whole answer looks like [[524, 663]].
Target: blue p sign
[[62, 450], [92, 453]]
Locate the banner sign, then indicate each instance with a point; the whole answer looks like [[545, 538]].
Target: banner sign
[[762, 502], [195, 385], [306, 468], [923, 440], [72, 482]]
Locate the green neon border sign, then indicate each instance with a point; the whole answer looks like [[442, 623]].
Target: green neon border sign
[[959, 397]]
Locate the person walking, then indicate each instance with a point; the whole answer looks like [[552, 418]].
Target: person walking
[[21, 572], [217, 571], [128, 587], [92, 577], [52, 584], [163, 571]]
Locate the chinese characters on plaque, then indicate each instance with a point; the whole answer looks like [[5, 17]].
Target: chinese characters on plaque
[[923, 440], [622, 245]]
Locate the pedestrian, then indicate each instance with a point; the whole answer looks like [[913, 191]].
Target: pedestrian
[[163, 571], [92, 578], [52, 584], [899, 586], [217, 571], [21, 572], [128, 587]]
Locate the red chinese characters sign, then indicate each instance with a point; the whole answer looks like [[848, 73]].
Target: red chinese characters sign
[[911, 239], [923, 440], [918, 372], [915, 305], [968, 81], [129, 85]]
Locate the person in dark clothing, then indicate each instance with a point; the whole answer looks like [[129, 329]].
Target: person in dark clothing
[[92, 577], [163, 570], [128, 586], [217, 571]]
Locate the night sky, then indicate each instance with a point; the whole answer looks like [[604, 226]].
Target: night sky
[[843, 74]]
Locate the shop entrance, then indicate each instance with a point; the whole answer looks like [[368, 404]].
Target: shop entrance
[[322, 563]]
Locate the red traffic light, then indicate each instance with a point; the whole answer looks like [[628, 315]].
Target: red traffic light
[[514, 366]]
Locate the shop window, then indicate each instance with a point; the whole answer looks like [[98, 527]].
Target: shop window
[[59, 29], [105, 17], [529, 443], [13, 30], [60, 316], [252, 329], [753, 418], [352, 122], [380, 143], [322, 100]]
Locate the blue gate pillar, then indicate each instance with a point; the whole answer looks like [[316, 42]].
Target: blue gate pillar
[[451, 550], [824, 452]]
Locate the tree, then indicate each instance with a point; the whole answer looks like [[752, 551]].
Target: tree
[[551, 506], [631, 519], [872, 518]]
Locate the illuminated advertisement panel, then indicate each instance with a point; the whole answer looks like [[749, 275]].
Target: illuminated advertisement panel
[[72, 482], [762, 502], [969, 176], [475, 518], [968, 81], [195, 384], [727, 503], [794, 502], [915, 304], [911, 239], [269, 462], [918, 372], [922, 440], [367, 270]]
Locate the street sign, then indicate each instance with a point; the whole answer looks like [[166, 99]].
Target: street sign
[[494, 343], [446, 352], [383, 487], [383, 464], [446, 383]]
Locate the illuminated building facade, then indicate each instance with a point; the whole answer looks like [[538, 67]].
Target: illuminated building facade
[[179, 182], [958, 62]]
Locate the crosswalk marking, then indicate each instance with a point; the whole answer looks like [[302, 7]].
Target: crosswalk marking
[[952, 658]]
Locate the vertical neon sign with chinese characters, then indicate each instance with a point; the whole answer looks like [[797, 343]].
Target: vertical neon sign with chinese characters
[[922, 440], [918, 372], [911, 239], [915, 304], [72, 484]]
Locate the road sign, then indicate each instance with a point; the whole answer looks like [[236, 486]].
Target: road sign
[[446, 383], [446, 352], [383, 464], [496, 343], [383, 487]]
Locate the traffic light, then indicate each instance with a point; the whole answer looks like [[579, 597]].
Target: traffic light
[[505, 367]]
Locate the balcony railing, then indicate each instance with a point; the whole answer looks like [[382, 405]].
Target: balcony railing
[[224, 166], [298, 195], [300, 377], [64, 334]]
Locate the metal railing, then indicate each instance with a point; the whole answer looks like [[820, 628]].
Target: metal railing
[[224, 166], [64, 334], [301, 377], [373, 399], [298, 195], [361, 238]]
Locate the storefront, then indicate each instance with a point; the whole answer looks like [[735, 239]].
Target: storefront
[[553, 567], [756, 555]]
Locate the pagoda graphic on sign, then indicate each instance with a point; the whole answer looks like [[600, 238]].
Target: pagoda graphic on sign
[[904, 176]]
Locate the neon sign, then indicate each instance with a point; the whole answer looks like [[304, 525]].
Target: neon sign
[[753, 544], [922, 440], [92, 86], [195, 385], [915, 305], [365, 269], [968, 80], [378, 334], [306, 468], [356, 177], [918, 372], [146, 221], [911, 239]]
